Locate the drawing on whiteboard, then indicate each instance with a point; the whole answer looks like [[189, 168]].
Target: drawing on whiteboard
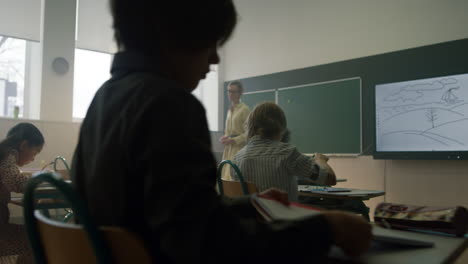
[[449, 97], [423, 115]]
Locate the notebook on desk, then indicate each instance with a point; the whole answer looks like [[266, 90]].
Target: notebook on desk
[[383, 239], [272, 209], [314, 188], [331, 189]]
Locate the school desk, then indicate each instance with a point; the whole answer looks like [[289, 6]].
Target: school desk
[[48, 198], [447, 249], [351, 200], [30, 171]]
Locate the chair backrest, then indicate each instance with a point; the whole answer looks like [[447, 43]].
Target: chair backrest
[[65, 173], [43, 233], [235, 186], [64, 161], [68, 243]]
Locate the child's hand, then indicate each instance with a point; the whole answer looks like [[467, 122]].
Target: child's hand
[[322, 163], [64, 173], [320, 156], [331, 179], [352, 232]]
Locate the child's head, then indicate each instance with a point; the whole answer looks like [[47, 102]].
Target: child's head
[[268, 121], [183, 36], [24, 138]]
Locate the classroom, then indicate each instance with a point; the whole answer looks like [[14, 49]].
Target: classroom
[[339, 32], [55, 54]]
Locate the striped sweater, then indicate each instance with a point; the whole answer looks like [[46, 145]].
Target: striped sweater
[[269, 163]]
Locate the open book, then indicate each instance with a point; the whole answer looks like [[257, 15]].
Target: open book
[[272, 209]]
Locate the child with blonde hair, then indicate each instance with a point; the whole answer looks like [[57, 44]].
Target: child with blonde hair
[[268, 162]]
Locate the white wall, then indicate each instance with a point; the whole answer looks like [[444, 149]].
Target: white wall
[[278, 35], [436, 183]]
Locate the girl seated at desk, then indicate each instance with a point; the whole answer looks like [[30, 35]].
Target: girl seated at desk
[[23, 142], [268, 162]]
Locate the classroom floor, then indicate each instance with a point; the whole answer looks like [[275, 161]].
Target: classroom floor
[[12, 259]]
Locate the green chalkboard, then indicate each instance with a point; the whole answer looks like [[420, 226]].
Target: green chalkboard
[[252, 99], [324, 117]]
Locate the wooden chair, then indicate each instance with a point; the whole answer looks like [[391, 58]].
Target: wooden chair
[[234, 188], [57, 242]]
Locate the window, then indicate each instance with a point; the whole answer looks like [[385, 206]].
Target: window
[[207, 93], [92, 69], [12, 76]]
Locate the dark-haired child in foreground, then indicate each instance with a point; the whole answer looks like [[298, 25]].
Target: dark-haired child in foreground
[[144, 161]]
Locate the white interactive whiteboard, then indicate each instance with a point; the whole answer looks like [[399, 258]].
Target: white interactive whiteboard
[[423, 115]]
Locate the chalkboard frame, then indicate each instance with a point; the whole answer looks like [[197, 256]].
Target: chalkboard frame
[[258, 92]]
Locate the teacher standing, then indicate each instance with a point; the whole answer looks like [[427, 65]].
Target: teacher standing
[[235, 133]]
